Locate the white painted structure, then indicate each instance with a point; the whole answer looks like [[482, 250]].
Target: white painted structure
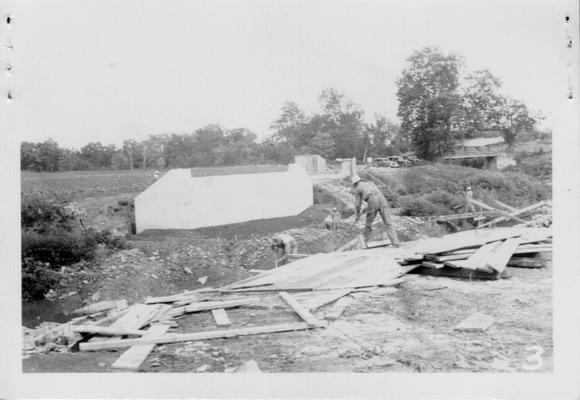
[[311, 163], [179, 201]]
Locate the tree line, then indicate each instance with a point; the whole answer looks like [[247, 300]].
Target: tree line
[[439, 104]]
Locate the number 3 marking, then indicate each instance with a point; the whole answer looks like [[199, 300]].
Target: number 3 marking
[[535, 358]]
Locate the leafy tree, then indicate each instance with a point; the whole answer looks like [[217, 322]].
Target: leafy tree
[[119, 161], [484, 108], [514, 118], [290, 126], [343, 120], [429, 101], [383, 133], [97, 155]]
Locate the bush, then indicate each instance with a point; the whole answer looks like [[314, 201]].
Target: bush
[[445, 199], [37, 279], [50, 240], [420, 207], [42, 215], [58, 247]]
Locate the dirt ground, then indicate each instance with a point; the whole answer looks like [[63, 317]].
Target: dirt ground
[[409, 329]]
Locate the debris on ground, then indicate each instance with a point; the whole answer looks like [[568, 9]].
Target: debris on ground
[[316, 290]]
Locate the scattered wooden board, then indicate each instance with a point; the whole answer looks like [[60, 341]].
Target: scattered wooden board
[[461, 273], [211, 305], [477, 322], [430, 264], [314, 300], [500, 255], [107, 331], [134, 357], [514, 214], [221, 317], [525, 262], [299, 309], [505, 214], [185, 337], [102, 306], [478, 259]]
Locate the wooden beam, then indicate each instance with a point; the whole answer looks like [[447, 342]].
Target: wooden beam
[[134, 357], [106, 330], [500, 255], [186, 337], [299, 309], [452, 217], [505, 214], [478, 259], [506, 206], [211, 305], [525, 262], [221, 317], [514, 214]]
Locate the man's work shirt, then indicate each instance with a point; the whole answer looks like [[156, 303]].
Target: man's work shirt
[[362, 192]]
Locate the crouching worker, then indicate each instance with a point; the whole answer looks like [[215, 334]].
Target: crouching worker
[[376, 203], [283, 244]]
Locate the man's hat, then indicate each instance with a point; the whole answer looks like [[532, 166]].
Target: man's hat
[[355, 179]]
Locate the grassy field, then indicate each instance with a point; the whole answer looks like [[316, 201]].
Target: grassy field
[[69, 186]]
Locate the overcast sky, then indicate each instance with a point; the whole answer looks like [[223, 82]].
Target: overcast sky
[[110, 70]]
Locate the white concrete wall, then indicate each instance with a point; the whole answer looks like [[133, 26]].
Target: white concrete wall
[[179, 201]]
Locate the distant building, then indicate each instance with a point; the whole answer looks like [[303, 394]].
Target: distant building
[[311, 163], [483, 152]]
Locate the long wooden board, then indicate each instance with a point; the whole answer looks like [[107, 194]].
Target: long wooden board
[[212, 305], [299, 309], [314, 300], [514, 214], [505, 214], [105, 330], [478, 259], [134, 357], [185, 337], [500, 256]]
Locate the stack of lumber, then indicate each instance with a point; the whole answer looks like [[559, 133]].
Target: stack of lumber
[[320, 272], [483, 254]]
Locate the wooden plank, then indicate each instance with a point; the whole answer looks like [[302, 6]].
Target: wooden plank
[[514, 214], [429, 264], [299, 309], [134, 357], [391, 282], [476, 322], [453, 217], [314, 300], [221, 317], [461, 273], [524, 262], [210, 305], [500, 256], [102, 306], [106, 330], [505, 206], [186, 337], [338, 308], [478, 259], [505, 214]]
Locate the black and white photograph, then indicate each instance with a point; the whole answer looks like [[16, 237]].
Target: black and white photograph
[[271, 193]]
